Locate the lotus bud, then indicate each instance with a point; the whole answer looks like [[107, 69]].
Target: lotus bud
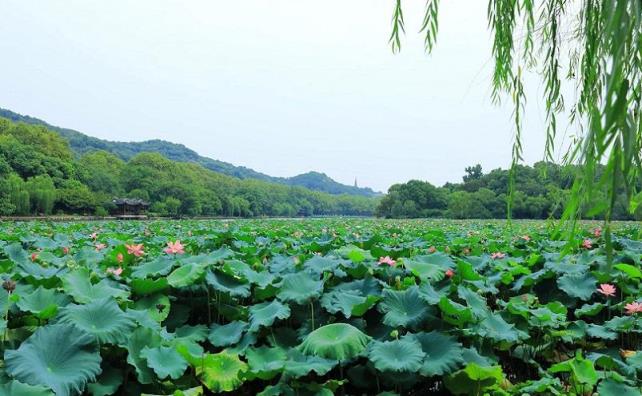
[[394, 334]]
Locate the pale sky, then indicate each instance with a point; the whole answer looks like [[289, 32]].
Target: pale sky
[[280, 86]]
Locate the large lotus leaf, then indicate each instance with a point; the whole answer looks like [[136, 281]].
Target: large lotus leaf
[[337, 341], [299, 364], [497, 329], [221, 372], [165, 362], [347, 302], [428, 293], [368, 286], [107, 384], [101, 318], [425, 271], [160, 266], [186, 275], [602, 332], [157, 305], [261, 279], [582, 370], [609, 387], [144, 287], [589, 310], [227, 284], [58, 356], [19, 256], [16, 388], [476, 302], [226, 335], [443, 353], [580, 286], [473, 379], [403, 308], [320, 264], [78, 285], [138, 340], [265, 363], [264, 314], [398, 355], [354, 253], [454, 313], [299, 287], [195, 333], [43, 303]]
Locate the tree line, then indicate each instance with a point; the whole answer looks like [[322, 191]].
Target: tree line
[[541, 191], [39, 174]]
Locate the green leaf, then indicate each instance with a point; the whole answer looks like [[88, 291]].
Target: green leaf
[[165, 361], [589, 310], [138, 340], [454, 313], [107, 384], [630, 270], [497, 329], [43, 303], [144, 287], [336, 341], [186, 275], [443, 353], [609, 387], [16, 388], [152, 303], [161, 266], [221, 372], [101, 318], [403, 308], [78, 285], [299, 288], [264, 362], [473, 379], [347, 302], [226, 335], [579, 286], [227, 284], [266, 313], [398, 355], [58, 356], [299, 364]]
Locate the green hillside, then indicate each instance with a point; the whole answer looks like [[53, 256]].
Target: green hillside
[[82, 144], [39, 174]]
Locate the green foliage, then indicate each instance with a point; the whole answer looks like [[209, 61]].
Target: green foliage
[[268, 306]]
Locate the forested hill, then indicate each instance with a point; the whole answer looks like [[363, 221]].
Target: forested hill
[[39, 174], [82, 144]]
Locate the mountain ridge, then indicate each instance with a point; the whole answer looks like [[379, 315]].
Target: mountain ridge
[[81, 143]]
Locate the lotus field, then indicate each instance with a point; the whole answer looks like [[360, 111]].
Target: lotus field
[[318, 307]]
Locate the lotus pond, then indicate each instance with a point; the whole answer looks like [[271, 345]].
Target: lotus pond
[[318, 307]]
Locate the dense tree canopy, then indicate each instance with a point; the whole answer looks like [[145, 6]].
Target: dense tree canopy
[[40, 175], [541, 191]]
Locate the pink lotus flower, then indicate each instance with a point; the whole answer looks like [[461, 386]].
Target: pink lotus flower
[[93, 235], [34, 256], [450, 273], [432, 249], [597, 232], [526, 238], [100, 246], [466, 251], [606, 289], [120, 258], [175, 248], [65, 250], [387, 260], [497, 255], [587, 244], [633, 308], [115, 271], [136, 250]]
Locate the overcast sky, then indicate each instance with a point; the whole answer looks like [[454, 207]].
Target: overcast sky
[[280, 86]]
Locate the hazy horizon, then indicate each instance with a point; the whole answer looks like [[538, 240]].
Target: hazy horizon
[[281, 87]]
